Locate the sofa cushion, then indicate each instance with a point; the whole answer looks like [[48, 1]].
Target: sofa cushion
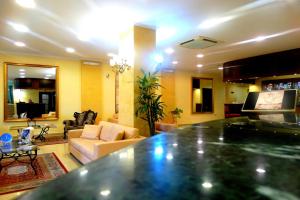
[[129, 131], [85, 146], [91, 132], [111, 132]]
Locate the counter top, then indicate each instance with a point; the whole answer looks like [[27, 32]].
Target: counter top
[[234, 158]]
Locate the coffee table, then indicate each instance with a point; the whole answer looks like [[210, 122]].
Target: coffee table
[[16, 151]]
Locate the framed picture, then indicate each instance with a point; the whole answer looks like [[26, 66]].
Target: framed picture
[[25, 135]]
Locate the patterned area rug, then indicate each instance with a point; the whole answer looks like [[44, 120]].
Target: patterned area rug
[[20, 176], [51, 139]]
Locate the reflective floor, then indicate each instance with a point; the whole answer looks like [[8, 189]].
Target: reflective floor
[[62, 152]]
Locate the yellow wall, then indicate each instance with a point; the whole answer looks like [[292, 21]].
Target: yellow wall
[[69, 93], [183, 95], [168, 94], [91, 89], [107, 94], [236, 93], [24, 95]]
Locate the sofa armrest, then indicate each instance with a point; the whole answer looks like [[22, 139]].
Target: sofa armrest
[[76, 133], [104, 148]]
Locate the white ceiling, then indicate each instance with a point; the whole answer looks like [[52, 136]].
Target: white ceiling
[[55, 24], [14, 71]]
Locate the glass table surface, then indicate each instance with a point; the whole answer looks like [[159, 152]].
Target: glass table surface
[[14, 146]]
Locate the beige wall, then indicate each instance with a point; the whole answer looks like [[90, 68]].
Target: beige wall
[[68, 87], [183, 90]]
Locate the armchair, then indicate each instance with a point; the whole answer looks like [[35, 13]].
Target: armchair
[[86, 117]]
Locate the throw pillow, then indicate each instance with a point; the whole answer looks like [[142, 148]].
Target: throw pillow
[[91, 132], [111, 132]]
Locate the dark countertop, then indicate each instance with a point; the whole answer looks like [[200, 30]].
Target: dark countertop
[[215, 160]]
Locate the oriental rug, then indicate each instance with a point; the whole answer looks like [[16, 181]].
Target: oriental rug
[[20, 176]]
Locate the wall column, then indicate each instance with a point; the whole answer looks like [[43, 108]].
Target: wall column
[[137, 44]]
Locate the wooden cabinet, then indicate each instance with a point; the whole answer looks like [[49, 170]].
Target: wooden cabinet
[[34, 83]]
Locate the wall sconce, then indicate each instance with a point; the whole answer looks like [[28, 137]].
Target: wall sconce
[[119, 65]]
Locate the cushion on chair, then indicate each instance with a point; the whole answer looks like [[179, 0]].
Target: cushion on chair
[[90, 117], [111, 132], [91, 132], [80, 119]]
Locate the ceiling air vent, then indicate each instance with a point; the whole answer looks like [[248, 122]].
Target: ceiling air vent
[[199, 43]]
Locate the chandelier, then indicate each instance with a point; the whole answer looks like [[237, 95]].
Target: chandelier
[[119, 65]]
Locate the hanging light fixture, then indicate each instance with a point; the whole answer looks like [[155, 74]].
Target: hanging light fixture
[[118, 64]]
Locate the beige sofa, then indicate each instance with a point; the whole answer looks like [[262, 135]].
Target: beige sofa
[[86, 149]]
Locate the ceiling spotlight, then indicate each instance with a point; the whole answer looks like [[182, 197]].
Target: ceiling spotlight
[[21, 70], [220, 68], [20, 44], [169, 50], [48, 75], [199, 65], [26, 3], [22, 76], [200, 55], [19, 27], [70, 50], [175, 62], [22, 73]]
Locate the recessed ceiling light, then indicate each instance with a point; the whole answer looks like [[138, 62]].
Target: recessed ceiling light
[[22, 76], [175, 62], [19, 27], [169, 50], [22, 73], [70, 50], [26, 3], [200, 55], [220, 68], [20, 44], [199, 65], [48, 75], [21, 70]]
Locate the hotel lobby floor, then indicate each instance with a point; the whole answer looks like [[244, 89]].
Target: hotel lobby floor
[[62, 152]]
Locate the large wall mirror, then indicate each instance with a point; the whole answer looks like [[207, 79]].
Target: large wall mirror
[[30, 92], [202, 95]]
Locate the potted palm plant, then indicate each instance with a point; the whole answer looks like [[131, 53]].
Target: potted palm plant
[[176, 114], [149, 105]]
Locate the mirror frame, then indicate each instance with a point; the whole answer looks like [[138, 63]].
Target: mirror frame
[[212, 86], [5, 66]]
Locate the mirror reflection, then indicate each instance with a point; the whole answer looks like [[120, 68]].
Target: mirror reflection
[[30, 92], [202, 95]]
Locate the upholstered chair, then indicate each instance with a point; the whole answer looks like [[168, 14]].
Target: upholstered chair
[[86, 117]]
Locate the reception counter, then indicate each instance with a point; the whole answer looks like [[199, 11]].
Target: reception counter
[[236, 158]]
